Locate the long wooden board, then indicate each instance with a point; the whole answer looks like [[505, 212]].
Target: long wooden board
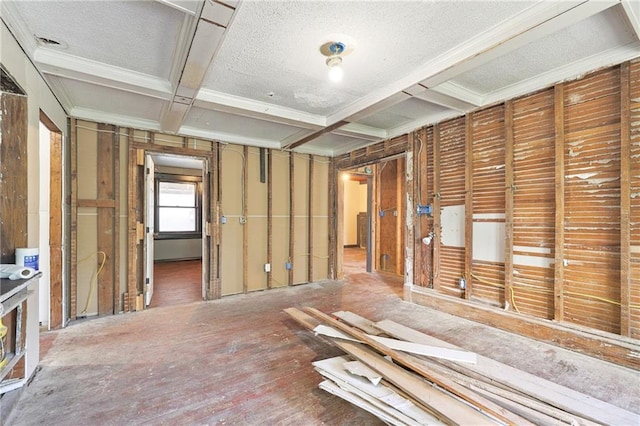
[[544, 390], [482, 403]]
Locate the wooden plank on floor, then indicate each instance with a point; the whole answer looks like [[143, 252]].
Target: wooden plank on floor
[[404, 346], [406, 361], [556, 395], [356, 320]]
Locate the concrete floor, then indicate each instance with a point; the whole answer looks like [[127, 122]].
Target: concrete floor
[[241, 360]]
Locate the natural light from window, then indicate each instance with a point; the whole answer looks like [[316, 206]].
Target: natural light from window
[[177, 207]]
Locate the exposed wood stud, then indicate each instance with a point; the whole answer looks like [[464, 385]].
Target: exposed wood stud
[[508, 196], [133, 241], [625, 201], [73, 285], [332, 211], [105, 176], [558, 286], [270, 216], [116, 221], [339, 219], [310, 222], [409, 211], [400, 196], [418, 142], [468, 210], [292, 214], [437, 225], [245, 227]]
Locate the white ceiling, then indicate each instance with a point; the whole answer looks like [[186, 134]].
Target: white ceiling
[[251, 72]]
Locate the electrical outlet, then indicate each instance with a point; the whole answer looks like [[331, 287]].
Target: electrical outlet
[[267, 267], [223, 220], [243, 220]]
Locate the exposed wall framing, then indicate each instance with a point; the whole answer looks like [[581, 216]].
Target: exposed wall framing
[[556, 175]]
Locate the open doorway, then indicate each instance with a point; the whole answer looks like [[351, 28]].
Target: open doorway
[[175, 199], [357, 220]]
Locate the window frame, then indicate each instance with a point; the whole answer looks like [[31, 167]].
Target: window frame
[[175, 235]]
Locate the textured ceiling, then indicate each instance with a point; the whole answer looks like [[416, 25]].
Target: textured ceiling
[[251, 72]]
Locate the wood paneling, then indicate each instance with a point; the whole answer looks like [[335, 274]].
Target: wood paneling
[[451, 176], [13, 169], [488, 176], [592, 201], [389, 208], [533, 203]]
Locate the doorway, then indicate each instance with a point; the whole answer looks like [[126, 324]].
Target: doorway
[[176, 199], [357, 220], [51, 240]]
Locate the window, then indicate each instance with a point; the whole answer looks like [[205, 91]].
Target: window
[[178, 210]]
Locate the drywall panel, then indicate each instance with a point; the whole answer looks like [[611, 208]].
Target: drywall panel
[[488, 241], [168, 140], [87, 135], [280, 218], [452, 222], [256, 225], [232, 189], [300, 255], [89, 261], [320, 248], [257, 253]]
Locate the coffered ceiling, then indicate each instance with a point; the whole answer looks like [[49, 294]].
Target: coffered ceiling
[[251, 71]]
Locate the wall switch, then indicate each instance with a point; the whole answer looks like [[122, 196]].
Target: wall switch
[[287, 266], [267, 267]]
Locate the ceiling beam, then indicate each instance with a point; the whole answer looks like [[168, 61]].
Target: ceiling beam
[[62, 64], [447, 100], [211, 27], [217, 101], [315, 135], [631, 10]]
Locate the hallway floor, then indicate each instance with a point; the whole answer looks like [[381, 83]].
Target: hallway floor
[[241, 360], [176, 283]]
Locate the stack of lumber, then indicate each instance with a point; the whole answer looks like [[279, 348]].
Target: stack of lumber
[[406, 377]]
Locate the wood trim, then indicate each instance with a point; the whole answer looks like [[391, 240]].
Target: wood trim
[[625, 200], [292, 212], [437, 220], [310, 222], [468, 210], [55, 229], [73, 253], [508, 196], [270, 216], [558, 286], [620, 351], [245, 227], [105, 180]]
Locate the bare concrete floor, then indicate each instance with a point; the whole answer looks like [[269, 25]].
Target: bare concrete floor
[[242, 361]]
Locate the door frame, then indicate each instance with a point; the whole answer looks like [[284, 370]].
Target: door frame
[[210, 259]]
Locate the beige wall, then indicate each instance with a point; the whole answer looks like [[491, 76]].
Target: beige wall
[[355, 201]]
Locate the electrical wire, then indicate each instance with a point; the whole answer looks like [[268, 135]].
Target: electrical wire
[[94, 277]]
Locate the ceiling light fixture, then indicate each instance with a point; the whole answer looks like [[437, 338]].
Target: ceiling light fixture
[[334, 61]]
